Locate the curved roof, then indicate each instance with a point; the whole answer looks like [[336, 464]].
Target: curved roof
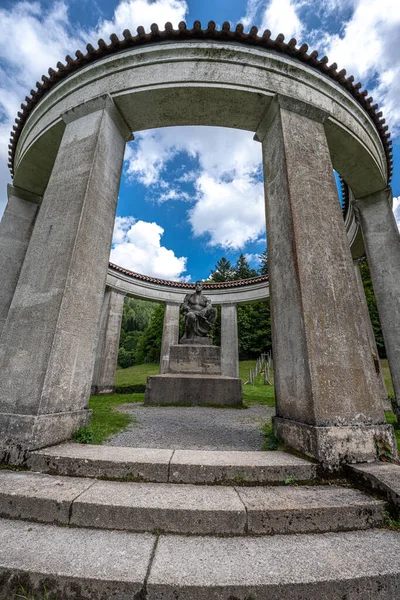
[[197, 33], [189, 286]]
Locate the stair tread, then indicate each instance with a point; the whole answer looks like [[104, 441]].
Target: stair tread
[[186, 508], [362, 564]]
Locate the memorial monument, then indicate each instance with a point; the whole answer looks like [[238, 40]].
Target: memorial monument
[[193, 375]]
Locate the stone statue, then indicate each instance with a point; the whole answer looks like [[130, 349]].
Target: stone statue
[[199, 315]]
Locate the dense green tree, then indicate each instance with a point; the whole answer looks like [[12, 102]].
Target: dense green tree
[[263, 270], [242, 269], [148, 348], [223, 271], [373, 311]]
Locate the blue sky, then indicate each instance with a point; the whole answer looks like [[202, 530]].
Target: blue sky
[[181, 200]]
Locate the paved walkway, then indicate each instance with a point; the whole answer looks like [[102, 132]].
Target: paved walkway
[[194, 428]]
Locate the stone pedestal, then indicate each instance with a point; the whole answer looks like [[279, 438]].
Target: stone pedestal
[[194, 378]]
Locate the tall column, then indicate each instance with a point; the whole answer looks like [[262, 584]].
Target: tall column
[[170, 335], [107, 348], [327, 393], [229, 341], [15, 232], [366, 322], [49, 339], [382, 246]]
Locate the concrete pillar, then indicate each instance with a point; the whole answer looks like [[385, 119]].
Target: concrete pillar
[[15, 232], [382, 246], [327, 393], [107, 348], [366, 322], [170, 335], [229, 341], [49, 339]]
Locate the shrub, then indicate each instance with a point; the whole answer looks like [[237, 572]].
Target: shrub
[[125, 358]]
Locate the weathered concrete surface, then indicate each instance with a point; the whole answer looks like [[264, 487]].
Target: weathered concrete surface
[[191, 466], [185, 509], [107, 347], [195, 359], [71, 563], [384, 477], [48, 342], [308, 509], [323, 369], [363, 314], [170, 334], [15, 232], [84, 460], [229, 341], [195, 390], [39, 497], [334, 446], [353, 565], [179, 466], [382, 245]]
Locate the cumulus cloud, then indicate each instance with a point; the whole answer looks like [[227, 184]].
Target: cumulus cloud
[[137, 247], [281, 16], [396, 210]]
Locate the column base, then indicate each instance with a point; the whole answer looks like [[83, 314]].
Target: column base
[[98, 390], [21, 433], [333, 446]]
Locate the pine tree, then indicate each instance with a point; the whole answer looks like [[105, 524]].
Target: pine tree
[[223, 271], [264, 263], [242, 269]]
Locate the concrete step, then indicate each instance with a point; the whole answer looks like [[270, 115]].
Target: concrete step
[[383, 477], [100, 565], [174, 466], [186, 509]]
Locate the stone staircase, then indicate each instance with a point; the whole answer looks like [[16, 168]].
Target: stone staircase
[[95, 522]]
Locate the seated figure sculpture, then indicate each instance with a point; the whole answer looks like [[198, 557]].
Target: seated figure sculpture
[[199, 315]]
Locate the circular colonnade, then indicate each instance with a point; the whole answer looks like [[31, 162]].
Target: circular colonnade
[[66, 154]]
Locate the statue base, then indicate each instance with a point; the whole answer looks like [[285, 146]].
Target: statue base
[[196, 341], [193, 390]]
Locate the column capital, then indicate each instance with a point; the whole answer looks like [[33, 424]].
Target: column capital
[[384, 194], [14, 191], [104, 102], [280, 102]]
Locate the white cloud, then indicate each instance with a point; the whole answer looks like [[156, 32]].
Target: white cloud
[[281, 16], [137, 247], [396, 210], [231, 213]]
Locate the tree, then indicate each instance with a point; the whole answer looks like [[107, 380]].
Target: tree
[[148, 348], [264, 263], [242, 269], [223, 271]]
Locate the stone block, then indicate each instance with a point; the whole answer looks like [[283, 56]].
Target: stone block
[[384, 477], [309, 509], [39, 497], [197, 341], [109, 462], [185, 509], [193, 390], [354, 565], [195, 359], [334, 446], [194, 466], [72, 563]]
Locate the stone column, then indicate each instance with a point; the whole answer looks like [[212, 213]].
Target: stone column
[[107, 348], [229, 341], [15, 232], [382, 246], [170, 335], [366, 322], [327, 393], [49, 339]]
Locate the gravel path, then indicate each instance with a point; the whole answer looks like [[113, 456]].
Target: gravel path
[[193, 428]]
